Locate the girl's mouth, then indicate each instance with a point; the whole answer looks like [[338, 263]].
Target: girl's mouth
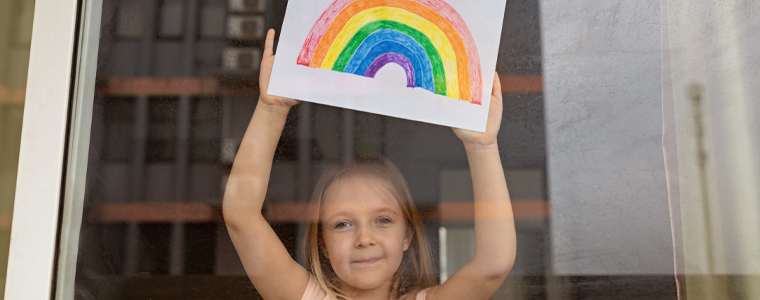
[[368, 261]]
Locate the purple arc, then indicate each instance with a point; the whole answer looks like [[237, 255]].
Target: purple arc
[[394, 58]]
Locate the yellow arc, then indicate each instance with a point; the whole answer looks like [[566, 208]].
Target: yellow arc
[[436, 36]]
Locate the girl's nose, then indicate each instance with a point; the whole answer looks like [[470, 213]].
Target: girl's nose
[[365, 238]]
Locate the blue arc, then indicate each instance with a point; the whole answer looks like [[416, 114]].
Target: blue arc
[[390, 41]]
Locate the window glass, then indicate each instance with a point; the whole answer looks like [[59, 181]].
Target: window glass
[[164, 147], [624, 165]]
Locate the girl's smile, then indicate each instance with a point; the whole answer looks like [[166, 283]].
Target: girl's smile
[[368, 261]]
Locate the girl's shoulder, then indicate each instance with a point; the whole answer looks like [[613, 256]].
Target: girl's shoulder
[[314, 291]]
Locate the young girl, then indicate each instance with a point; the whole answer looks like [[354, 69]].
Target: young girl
[[365, 239]]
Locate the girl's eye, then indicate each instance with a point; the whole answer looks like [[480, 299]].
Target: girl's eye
[[341, 225], [384, 221]]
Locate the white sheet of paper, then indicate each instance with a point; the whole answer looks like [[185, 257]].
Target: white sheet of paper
[[387, 93]]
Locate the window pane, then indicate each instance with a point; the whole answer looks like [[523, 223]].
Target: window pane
[[162, 129], [175, 114], [171, 22], [213, 17], [119, 115], [206, 130]]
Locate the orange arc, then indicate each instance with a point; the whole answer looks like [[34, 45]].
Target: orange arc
[[414, 7]]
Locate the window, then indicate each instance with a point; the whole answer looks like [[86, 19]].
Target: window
[[627, 143], [162, 129], [129, 23], [171, 20], [206, 130], [119, 116], [213, 15]]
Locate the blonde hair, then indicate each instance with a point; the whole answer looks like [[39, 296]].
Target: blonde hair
[[415, 272]]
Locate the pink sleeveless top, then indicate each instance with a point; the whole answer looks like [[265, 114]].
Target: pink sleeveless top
[[315, 292]]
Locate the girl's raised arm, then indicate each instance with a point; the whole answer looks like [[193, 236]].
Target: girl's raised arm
[[269, 266], [495, 243]]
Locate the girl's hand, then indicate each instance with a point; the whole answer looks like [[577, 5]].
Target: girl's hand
[[267, 61], [487, 138]]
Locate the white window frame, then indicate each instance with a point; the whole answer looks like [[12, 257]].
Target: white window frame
[[39, 185]]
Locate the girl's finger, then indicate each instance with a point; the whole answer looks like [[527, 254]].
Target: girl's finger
[[269, 44], [496, 85]]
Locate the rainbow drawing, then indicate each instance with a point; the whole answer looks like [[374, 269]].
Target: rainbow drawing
[[427, 38]]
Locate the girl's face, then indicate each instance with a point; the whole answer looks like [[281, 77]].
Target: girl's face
[[364, 232]]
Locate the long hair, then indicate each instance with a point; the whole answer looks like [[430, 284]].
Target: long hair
[[415, 272]]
